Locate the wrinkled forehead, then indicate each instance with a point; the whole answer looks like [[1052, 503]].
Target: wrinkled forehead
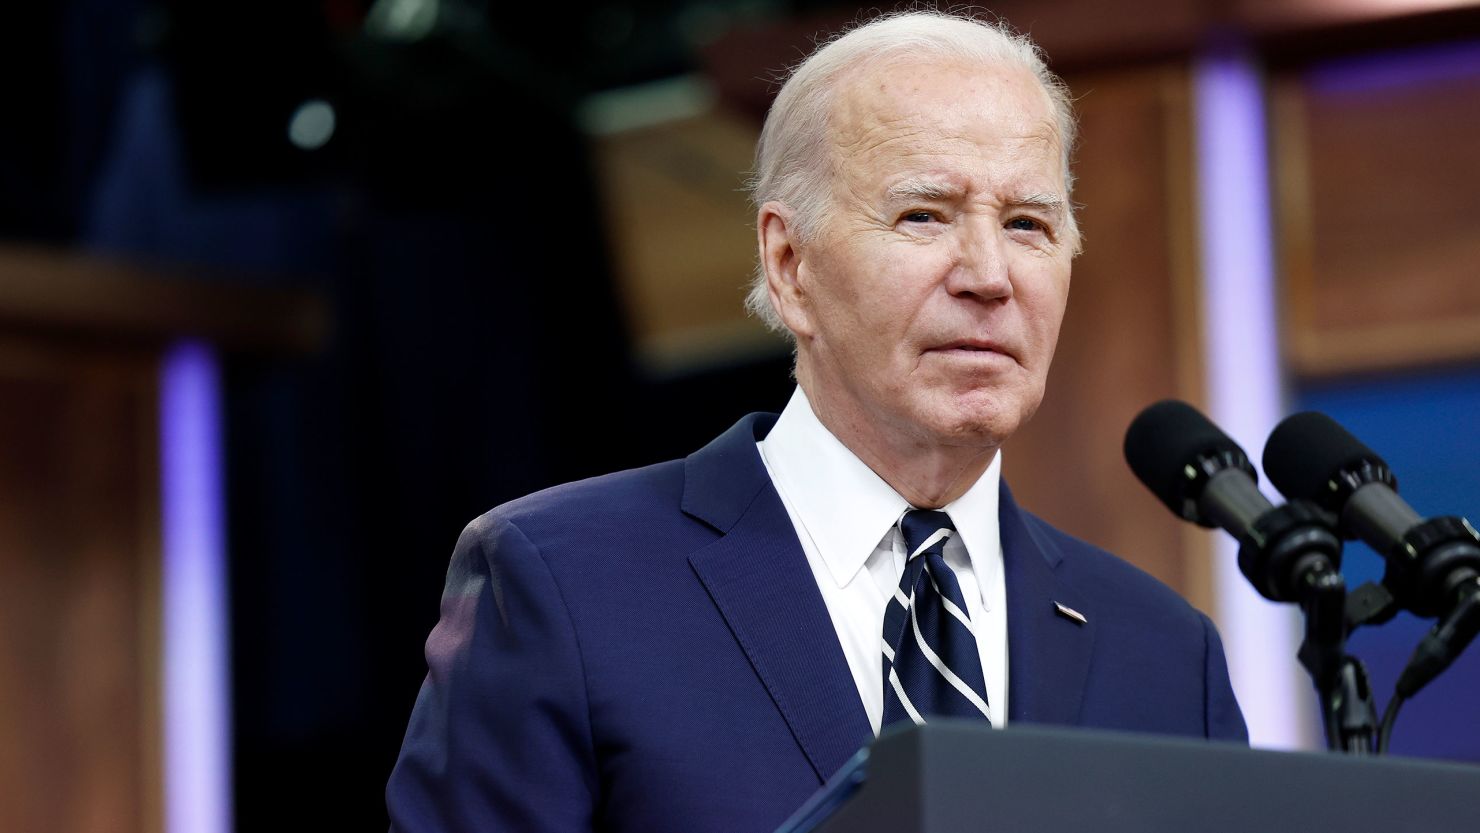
[[894, 103]]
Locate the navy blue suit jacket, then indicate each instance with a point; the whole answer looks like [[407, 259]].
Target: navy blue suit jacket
[[648, 651]]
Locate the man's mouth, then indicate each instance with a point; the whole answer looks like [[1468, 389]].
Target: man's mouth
[[972, 346]]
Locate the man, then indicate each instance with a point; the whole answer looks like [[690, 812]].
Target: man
[[698, 645]]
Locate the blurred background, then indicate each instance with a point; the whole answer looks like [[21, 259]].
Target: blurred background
[[292, 290]]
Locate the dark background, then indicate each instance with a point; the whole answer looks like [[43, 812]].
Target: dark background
[[477, 353]]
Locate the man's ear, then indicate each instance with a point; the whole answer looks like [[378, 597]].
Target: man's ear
[[781, 258]]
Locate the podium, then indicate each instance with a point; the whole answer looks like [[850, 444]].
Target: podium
[[955, 777]]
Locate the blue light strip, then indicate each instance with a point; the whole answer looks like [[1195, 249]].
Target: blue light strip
[[1396, 70], [197, 743], [1240, 332]]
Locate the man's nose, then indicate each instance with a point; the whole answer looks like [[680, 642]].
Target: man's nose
[[982, 268]]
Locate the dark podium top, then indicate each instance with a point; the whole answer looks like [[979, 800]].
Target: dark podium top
[[961, 777]]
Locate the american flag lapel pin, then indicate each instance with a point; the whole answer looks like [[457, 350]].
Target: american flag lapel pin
[[1070, 613]]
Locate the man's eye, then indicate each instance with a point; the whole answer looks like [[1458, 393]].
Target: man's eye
[[918, 217], [1024, 224]]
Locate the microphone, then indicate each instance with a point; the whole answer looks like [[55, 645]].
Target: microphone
[[1203, 476], [1432, 565], [1289, 553]]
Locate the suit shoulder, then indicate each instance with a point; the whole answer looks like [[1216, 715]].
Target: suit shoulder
[[609, 501]]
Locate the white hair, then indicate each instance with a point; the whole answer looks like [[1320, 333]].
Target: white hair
[[792, 158]]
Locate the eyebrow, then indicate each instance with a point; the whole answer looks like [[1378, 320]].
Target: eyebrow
[[920, 189], [930, 190], [1042, 202]]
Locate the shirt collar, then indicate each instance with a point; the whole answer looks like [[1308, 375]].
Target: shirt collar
[[845, 507], [975, 516]]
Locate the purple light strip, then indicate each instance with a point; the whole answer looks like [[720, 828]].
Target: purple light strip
[[1384, 71], [197, 743], [1243, 372]]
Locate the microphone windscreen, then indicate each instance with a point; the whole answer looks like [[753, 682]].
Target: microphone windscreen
[[1307, 450], [1164, 440]]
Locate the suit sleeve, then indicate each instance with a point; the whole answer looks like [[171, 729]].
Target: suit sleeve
[[500, 738], [1222, 717]]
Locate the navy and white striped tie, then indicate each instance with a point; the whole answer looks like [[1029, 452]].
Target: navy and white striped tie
[[931, 664]]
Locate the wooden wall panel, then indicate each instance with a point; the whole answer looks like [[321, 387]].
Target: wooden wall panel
[[676, 219], [1131, 335], [1379, 206], [78, 593]]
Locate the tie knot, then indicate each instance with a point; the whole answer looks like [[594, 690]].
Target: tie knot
[[925, 531]]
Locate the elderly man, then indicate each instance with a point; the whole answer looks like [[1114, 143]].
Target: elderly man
[[697, 645]]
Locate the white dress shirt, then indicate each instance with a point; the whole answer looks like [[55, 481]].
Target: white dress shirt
[[847, 519]]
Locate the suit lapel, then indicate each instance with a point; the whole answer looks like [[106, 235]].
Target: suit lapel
[[758, 577], [1048, 652]]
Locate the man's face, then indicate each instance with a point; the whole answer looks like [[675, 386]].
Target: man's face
[[930, 299]]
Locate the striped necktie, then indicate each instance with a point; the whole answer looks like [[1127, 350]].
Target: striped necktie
[[931, 664]]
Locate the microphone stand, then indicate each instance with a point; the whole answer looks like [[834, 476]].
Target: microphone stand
[[1291, 554], [1348, 713], [1373, 604], [1433, 570]]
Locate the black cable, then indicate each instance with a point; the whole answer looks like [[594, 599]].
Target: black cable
[[1389, 717], [1328, 722]]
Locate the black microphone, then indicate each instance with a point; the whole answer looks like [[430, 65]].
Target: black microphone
[[1430, 563], [1433, 565], [1205, 477], [1289, 553]]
